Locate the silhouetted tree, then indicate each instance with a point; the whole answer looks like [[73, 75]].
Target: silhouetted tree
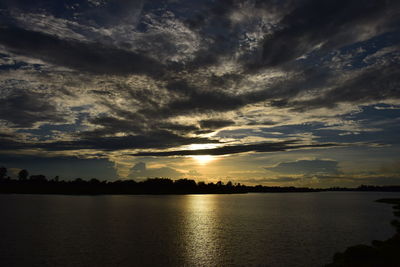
[[185, 183], [3, 173], [38, 184], [23, 175], [94, 181], [38, 178], [79, 180]]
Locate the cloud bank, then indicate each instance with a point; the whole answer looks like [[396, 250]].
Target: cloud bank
[[150, 78]]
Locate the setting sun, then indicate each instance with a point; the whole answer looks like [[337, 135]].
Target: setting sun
[[203, 159]]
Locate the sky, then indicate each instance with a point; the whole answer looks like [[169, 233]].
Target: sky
[[274, 92]]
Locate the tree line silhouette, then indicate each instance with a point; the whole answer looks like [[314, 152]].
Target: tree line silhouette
[[40, 184]]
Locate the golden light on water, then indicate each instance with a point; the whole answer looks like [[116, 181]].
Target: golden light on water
[[201, 238], [203, 159]]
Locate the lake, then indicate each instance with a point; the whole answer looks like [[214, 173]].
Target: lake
[[281, 229]]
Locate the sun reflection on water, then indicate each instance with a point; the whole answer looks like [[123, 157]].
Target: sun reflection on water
[[202, 241]]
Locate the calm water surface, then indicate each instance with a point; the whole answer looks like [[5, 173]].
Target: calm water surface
[[299, 229]]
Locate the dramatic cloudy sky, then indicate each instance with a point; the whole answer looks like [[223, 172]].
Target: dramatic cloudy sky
[[274, 92]]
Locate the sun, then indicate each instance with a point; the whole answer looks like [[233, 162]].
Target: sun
[[203, 159]]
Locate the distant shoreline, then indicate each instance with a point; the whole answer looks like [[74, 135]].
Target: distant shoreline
[[156, 186]]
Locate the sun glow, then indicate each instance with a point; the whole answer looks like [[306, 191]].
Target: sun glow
[[203, 159], [200, 146]]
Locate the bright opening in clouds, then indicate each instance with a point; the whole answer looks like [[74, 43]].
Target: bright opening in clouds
[[203, 159], [290, 92]]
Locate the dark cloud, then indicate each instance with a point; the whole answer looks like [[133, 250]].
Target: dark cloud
[[10, 144], [111, 125], [196, 100], [212, 21], [88, 57], [135, 124], [178, 127], [215, 124], [97, 58], [5, 135], [112, 12], [377, 83], [307, 167], [234, 149], [25, 109], [156, 139], [329, 24], [102, 14]]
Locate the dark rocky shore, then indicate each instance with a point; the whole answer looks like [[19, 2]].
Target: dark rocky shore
[[379, 253]]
